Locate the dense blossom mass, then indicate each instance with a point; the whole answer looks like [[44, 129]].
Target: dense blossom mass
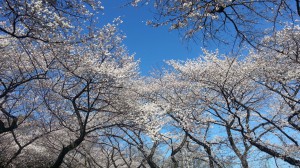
[[71, 94], [46, 20]]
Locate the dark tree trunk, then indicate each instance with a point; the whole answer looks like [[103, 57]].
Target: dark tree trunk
[[65, 150]]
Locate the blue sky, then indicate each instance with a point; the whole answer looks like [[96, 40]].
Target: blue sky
[[154, 45], [151, 45]]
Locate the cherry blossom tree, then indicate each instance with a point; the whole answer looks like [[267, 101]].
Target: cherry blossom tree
[[253, 100], [88, 82], [64, 92], [227, 21], [277, 72], [245, 106], [46, 20], [22, 122]]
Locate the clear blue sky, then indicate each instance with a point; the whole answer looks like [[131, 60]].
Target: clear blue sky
[[151, 45]]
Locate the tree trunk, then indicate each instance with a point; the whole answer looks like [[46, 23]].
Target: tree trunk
[[65, 150]]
